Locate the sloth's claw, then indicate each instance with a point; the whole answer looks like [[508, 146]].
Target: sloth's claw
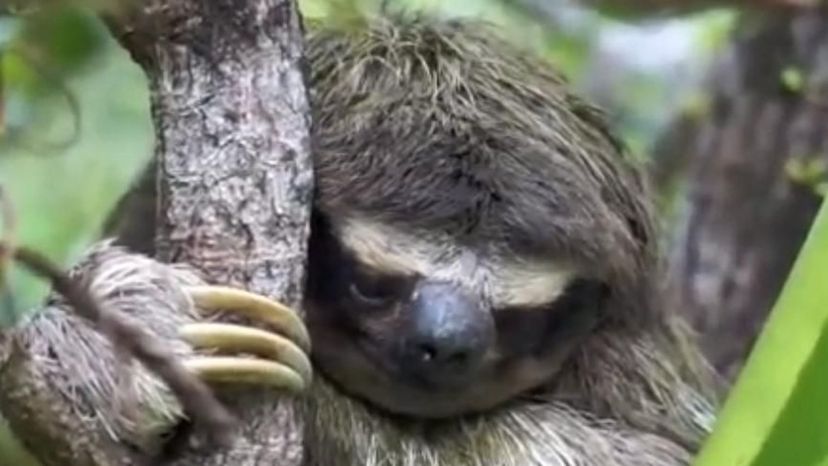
[[241, 354], [230, 370], [255, 307], [281, 357]]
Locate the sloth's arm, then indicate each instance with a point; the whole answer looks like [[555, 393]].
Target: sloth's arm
[[61, 383]]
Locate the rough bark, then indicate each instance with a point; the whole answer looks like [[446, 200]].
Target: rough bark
[[232, 125], [745, 216]]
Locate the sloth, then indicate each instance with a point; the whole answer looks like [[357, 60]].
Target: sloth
[[482, 281]]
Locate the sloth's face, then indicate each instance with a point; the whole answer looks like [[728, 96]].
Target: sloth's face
[[421, 326]]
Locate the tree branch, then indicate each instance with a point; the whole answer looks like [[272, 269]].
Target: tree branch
[[232, 125]]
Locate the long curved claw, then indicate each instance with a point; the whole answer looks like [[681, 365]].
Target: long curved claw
[[248, 355], [232, 338], [245, 371], [253, 306]]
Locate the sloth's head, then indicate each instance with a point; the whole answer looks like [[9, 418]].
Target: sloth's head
[[475, 222]]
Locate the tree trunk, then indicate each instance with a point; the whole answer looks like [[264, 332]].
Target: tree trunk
[[232, 124], [753, 172]]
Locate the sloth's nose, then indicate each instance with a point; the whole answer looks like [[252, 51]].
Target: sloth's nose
[[449, 333]]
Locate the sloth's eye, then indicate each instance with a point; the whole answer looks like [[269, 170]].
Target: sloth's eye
[[369, 292], [376, 290], [370, 296]]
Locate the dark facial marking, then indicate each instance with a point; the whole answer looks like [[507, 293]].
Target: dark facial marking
[[419, 345], [342, 287], [534, 331]]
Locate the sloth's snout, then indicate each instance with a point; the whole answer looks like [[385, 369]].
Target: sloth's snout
[[448, 334]]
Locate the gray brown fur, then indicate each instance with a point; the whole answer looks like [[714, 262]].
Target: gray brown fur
[[481, 137], [439, 127], [67, 348]]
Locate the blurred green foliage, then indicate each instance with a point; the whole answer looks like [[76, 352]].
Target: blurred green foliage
[[69, 37], [61, 192]]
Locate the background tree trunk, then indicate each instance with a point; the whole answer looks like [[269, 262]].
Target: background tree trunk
[[232, 125], [754, 165]]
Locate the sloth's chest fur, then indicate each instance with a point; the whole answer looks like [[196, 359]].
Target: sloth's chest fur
[[341, 432]]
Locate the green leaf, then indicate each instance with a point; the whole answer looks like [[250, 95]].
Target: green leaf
[[792, 79], [67, 37], [776, 413]]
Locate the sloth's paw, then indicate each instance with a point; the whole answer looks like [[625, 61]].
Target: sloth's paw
[[240, 354]]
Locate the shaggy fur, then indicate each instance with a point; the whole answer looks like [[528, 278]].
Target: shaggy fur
[[489, 146], [95, 383], [440, 127]]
